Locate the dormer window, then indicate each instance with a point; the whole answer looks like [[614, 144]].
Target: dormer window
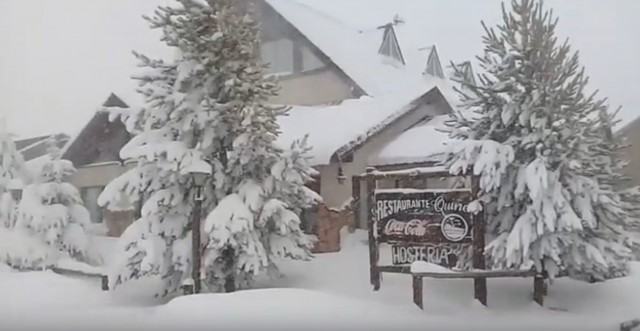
[[390, 46], [434, 67]]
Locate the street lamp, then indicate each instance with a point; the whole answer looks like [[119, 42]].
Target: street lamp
[[199, 172], [341, 177], [15, 187]]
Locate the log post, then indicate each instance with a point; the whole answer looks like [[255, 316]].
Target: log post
[[538, 289], [417, 291], [479, 263], [355, 202], [104, 282], [371, 218]]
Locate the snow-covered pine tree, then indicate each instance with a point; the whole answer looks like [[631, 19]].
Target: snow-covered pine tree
[[619, 204], [12, 169], [543, 207], [208, 103], [51, 210], [259, 223]]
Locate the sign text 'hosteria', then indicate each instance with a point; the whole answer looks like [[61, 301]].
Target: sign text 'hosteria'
[[442, 254], [423, 217]]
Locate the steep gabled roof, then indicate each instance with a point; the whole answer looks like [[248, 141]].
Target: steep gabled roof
[[100, 140], [328, 24]]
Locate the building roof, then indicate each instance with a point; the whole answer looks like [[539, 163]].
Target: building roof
[[415, 145], [32, 148], [99, 138], [423, 143], [393, 84], [633, 125], [353, 42], [337, 129]]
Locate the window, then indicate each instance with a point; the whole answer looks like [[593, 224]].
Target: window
[[278, 54], [286, 56], [310, 61], [90, 198]]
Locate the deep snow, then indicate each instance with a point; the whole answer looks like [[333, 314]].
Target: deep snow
[[330, 292]]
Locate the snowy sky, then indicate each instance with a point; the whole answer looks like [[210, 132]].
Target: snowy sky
[[59, 60]]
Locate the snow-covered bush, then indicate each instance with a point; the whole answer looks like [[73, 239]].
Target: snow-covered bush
[[537, 143], [12, 171], [51, 212], [12, 164], [209, 103]]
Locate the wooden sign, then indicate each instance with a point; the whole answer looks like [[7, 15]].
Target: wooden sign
[[433, 225], [429, 225]]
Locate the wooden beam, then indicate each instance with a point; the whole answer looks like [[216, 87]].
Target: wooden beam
[[398, 269], [356, 200], [417, 291], [479, 263], [373, 243], [538, 289], [478, 273]]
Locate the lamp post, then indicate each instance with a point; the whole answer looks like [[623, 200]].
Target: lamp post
[[15, 187], [199, 175]]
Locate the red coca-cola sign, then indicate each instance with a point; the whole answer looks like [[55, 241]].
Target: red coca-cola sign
[[414, 227]]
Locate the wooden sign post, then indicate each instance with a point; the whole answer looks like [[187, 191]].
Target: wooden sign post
[[432, 225]]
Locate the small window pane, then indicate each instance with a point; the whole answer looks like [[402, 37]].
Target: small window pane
[[279, 55], [310, 61]]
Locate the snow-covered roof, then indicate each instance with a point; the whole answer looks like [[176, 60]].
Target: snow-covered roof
[[32, 148], [415, 145], [354, 46], [631, 126], [422, 143], [337, 128]]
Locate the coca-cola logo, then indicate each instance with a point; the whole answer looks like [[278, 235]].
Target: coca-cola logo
[[414, 227]]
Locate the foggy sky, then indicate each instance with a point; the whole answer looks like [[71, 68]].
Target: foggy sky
[[59, 60]]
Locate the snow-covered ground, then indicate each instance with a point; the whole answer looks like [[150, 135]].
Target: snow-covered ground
[[330, 292]]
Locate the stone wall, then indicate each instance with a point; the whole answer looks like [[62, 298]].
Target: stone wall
[[330, 222], [117, 222]]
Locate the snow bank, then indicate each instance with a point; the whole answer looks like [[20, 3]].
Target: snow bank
[[73, 265], [331, 292], [422, 266], [283, 309]]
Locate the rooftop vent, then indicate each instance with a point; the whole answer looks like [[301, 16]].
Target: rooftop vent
[[464, 73], [434, 67], [390, 46]]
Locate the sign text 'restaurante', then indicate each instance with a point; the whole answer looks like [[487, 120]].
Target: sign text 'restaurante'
[[387, 208]]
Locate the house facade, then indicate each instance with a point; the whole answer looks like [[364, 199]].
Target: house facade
[[631, 135], [354, 92]]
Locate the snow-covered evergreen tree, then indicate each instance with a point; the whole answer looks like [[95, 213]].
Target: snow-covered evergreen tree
[[208, 104], [51, 210], [12, 170], [544, 204]]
